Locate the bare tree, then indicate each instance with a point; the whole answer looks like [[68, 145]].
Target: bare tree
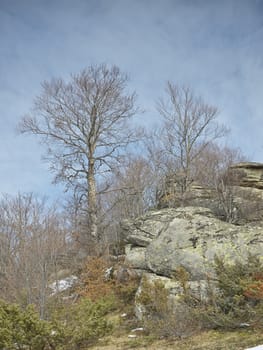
[[160, 162], [129, 196], [214, 162], [32, 238], [213, 171], [189, 125], [85, 125], [132, 193]]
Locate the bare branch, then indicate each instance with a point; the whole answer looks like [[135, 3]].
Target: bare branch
[[84, 123], [189, 126]]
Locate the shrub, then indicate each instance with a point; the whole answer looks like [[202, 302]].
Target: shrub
[[163, 315], [126, 291], [72, 327], [234, 299], [254, 291], [84, 322], [96, 285], [22, 329], [237, 297]]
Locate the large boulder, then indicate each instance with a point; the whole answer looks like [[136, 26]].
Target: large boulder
[[141, 231], [174, 240], [189, 237]]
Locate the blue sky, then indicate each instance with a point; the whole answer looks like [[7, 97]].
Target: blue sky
[[215, 46]]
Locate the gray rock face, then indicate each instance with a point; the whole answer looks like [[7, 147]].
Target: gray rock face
[[143, 230], [162, 241], [252, 174], [243, 190], [135, 256]]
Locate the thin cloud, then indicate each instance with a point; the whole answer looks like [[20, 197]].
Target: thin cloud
[[213, 46]]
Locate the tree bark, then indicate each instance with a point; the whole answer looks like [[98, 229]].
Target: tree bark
[[92, 203]]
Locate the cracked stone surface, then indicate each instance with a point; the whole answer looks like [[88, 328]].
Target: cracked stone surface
[[190, 237]]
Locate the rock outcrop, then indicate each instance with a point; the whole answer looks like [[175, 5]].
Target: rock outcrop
[[167, 241], [239, 198], [162, 241], [251, 174]]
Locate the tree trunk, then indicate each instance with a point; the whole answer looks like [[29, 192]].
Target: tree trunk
[[42, 290], [92, 203]]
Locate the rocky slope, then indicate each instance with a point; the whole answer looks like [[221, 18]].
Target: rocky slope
[[163, 241]]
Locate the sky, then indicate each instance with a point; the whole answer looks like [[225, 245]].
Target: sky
[[213, 46]]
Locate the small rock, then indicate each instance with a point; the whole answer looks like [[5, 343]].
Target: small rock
[[244, 325], [108, 273], [62, 285], [132, 336], [137, 330]]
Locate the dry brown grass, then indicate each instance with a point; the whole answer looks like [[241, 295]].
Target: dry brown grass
[[211, 340]]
